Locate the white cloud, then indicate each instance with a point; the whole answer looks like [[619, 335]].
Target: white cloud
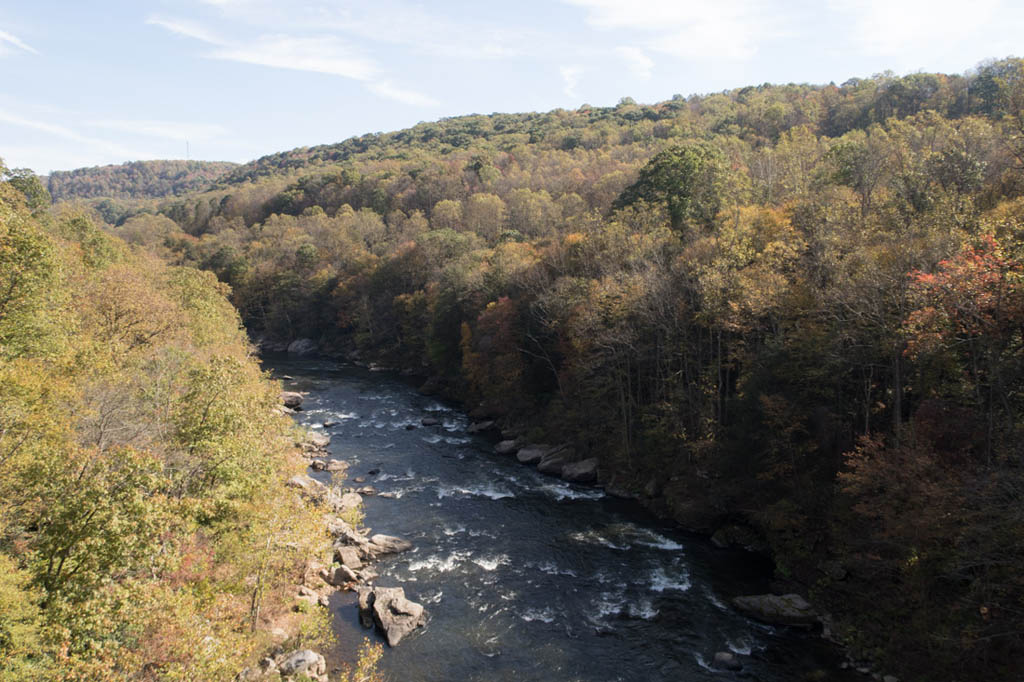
[[168, 130], [386, 89], [571, 79], [319, 55], [911, 27], [326, 54], [187, 29], [694, 29], [7, 39], [639, 64], [54, 130]]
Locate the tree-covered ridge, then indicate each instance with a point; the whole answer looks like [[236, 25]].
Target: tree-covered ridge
[[752, 113], [136, 180], [146, 532], [750, 317]]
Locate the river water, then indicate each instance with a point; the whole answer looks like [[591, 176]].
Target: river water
[[524, 576]]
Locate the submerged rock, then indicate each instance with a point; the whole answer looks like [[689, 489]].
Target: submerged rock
[[430, 421], [786, 609], [725, 660]]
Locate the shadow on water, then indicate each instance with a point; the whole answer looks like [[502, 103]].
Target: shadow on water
[[527, 577]]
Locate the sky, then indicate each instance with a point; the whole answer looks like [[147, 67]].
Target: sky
[[100, 82]]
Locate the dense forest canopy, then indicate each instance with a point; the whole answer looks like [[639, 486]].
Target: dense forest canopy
[[793, 309], [136, 179]]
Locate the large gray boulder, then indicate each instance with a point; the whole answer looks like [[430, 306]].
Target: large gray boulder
[[725, 660], [507, 447], [349, 501], [388, 609], [532, 454], [388, 544], [348, 556], [303, 662], [785, 609], [554, 460], [291, 399], [302, 347], [584, 471]]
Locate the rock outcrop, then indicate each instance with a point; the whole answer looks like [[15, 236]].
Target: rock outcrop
[[388, 609], [584, 471], [302, 347], [785, 609]]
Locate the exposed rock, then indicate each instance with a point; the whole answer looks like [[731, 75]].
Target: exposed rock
[[348, 556], [291, 399], [725, 660], [532, 454], [312, 597], [738, 535], [388, 495], [480, 427], [302, 347], [365, 595], [654, 487], [431, 386], [393, 614], [388, 544], [373, 472], [786, 609], [584, 471], [507, 447], [329, 423], [554, 460], [349, 501], [343, 575], [318, 465], [367, 490], [303, 662], [336, 465], [430, 421], [359, 479], [318, 440]]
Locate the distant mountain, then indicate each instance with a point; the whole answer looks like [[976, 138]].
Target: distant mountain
[[136, 180]]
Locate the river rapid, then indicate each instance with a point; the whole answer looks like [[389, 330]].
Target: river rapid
[[525, 576]]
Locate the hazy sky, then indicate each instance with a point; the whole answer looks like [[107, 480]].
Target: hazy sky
[[91, 83]]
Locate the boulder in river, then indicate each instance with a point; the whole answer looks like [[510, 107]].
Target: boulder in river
[[532, 454], [291, 399], [785, 609], [507, 447], [388, 609], [480, 427], [388, 544], [349, 501], [430, 421], [318, 440], [725, 660], [584, 471], [554, 460], [302, 347], [303, 662], [348, 556]]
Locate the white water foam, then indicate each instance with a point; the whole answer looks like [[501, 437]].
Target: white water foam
[[489, 491], [592, 537], [643, 610], [437, 563], [660, 581], [742, 647], [564, 492], [545, 615], [551, 568], [491, 563]]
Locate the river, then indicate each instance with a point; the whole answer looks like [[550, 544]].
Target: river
[[526, 577]]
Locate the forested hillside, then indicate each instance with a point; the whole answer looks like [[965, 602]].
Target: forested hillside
[[145, 528], [795, 310], [136, 180]]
